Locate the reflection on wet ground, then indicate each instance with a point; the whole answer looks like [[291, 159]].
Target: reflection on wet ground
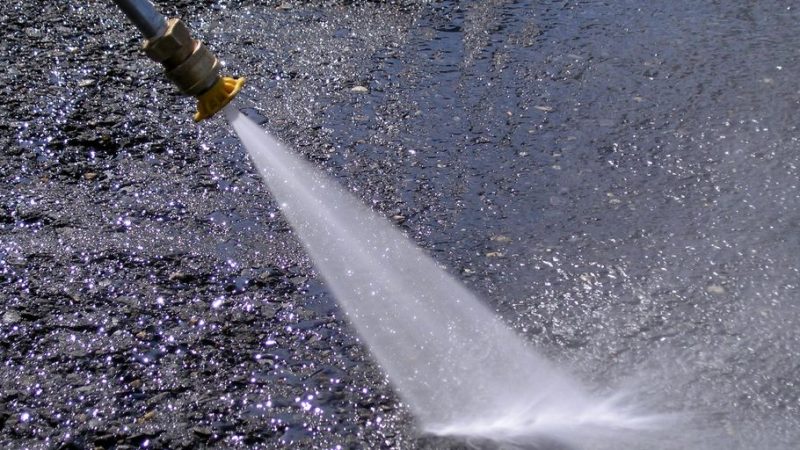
[[618, 181]]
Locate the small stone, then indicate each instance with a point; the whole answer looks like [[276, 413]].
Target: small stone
[[359, 90], [544, 108], [399, 218], [284, 6], [79, 353], [494, 255], [89, 176], [86, 82], [266, 362], [500, 238], [158, 398], [128, 301], [85, 389], [268, 312], [11, 318], [136, 384], [269, 276], [147, 416], [715, 289], [303, 313], [180, 276], [202, 431]]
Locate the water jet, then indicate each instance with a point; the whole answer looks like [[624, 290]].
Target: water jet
[[461, 370]]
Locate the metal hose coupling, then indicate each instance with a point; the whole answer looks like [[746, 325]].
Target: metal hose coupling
[[193, 68]]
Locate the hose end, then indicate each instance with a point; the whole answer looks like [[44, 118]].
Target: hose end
[[193, 68], [213, 100]]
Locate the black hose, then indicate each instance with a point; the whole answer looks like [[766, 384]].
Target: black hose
[[145, 16]]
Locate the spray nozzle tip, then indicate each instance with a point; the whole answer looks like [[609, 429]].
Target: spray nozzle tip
[[213, 100]]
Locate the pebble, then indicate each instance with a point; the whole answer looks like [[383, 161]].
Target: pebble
[[500, 238], [715, 289], [158, 398], [85, 389], [494, 255], [298, 280], [202, 431], [359, 90], [544, 108], [180, 276], [266, 362], [268, 311], [269, 276], [86, 82], [11, 317]]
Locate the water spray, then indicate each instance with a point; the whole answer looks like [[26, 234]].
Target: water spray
[[187, 61], [461, 370]]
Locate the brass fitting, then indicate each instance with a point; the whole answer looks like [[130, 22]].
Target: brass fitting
[[187, 62], [193, 68]]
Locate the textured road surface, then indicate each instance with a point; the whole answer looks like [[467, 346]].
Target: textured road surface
[[620, 182]]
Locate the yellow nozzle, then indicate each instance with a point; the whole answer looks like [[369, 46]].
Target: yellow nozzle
[[213, 100]]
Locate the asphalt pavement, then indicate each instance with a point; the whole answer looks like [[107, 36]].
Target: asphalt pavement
[[618, 181]]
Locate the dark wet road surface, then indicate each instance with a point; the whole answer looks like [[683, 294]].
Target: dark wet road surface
[[618, 181]]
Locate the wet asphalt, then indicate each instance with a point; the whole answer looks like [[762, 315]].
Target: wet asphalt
[[619, 182]]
